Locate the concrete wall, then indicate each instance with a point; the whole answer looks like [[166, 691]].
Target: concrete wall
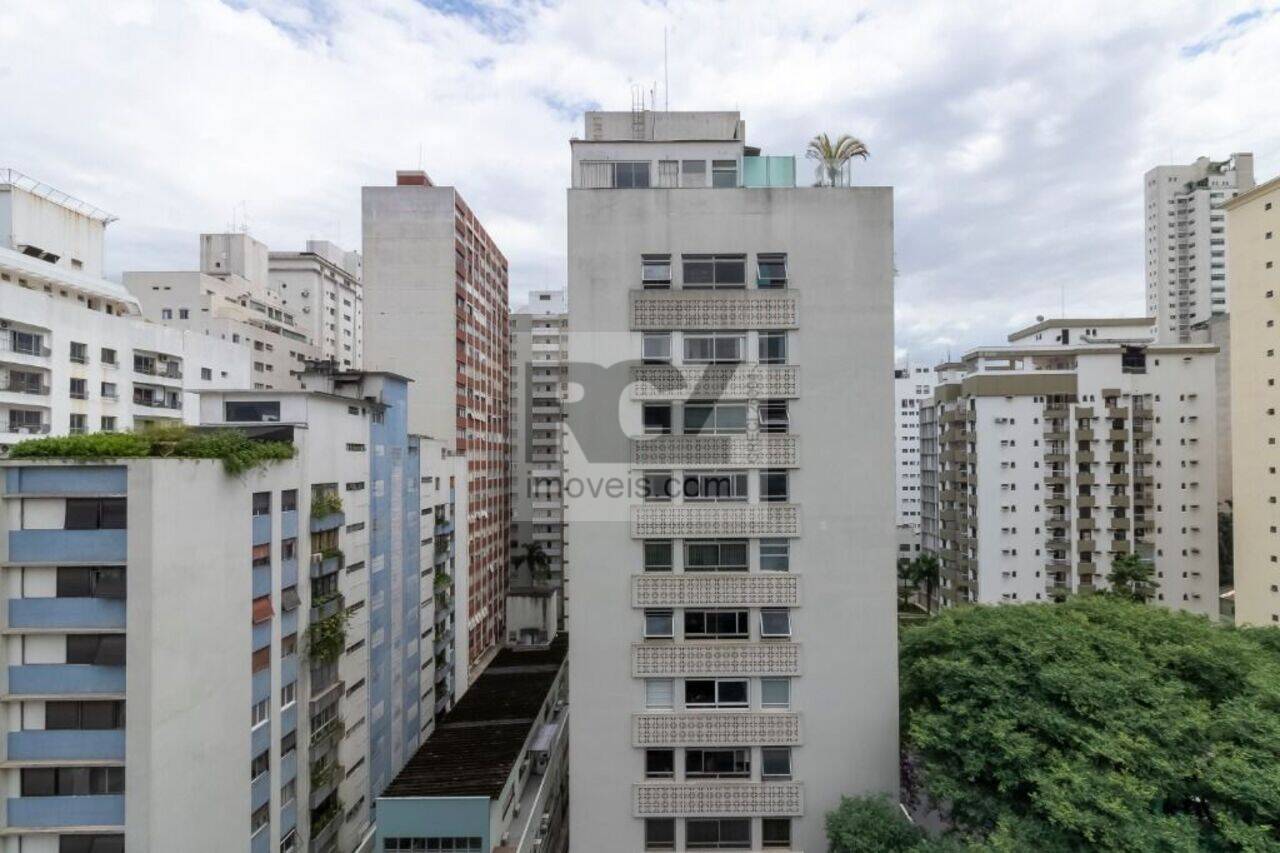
[[31, 220]]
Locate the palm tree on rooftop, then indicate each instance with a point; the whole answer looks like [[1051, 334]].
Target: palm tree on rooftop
[[832, 156]]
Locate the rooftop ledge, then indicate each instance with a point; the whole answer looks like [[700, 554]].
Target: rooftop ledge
[[239, 449]]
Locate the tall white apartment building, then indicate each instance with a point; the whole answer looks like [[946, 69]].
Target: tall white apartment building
[[912, 389], [729, 489], [153, 656], [1079, 441], [539, 385], [75, 356], [1186, 241], [321, 289], [231, 298]]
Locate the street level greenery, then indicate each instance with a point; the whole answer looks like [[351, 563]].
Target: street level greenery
[[238, 452]]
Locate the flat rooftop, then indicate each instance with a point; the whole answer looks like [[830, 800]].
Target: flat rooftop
[[476, 745]]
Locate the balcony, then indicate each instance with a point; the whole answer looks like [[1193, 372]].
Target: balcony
[[151, 401], [326, 606], [66, 745], [717, 799], [769, 171], [35, 390], [662, 520], [24, 348], [98, 613], [28, 428], [327, 521], [718, 728], [710, 660], [261, 529], [715, 589], [67, 546], [758, 450], [50, 812], [326, 563], [656, 310], [69, 679]]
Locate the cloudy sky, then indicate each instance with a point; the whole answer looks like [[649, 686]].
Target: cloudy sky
[[1016, 135]]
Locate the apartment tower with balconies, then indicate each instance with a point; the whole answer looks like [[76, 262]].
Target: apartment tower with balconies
[[729, 485], [1079, 441]]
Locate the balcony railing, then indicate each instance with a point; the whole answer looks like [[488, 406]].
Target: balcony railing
[[24, 388], [7, 345]]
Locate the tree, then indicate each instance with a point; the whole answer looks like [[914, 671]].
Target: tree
[[875, 824], [1096, 724], [831, 156], [537, 560], [1132, 577], [927, 571], [1226, 545]]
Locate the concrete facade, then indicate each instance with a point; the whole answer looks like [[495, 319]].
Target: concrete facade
[[539, 368], [1079, 441], [1253, 228], [912, 389], [74, 354], [322, 289], [1185, 249], [436, 291], [690, 258]]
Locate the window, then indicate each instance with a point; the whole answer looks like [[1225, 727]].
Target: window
[[775, 832], [718, 833], [659, 693], [108, 356], [262, 503], [288, 694], [715, 693], [184, 314], [775, 762], [260, 713], [260, 764], [716, 624], [96, 649], [288, 743], [656, 271], [655, 348], [166, 313], [773, 416], [659, 833], [90, 582], [79, 389], [95, 514], [714, 271], [715, 555], [659, 486], [92, 843], [657, 555], [659, 763], [630, 175], [77, 424], [657, 418], [260, 819], [771, 271], [289, 791], [775, 555], [775, 693], [668, 173], [109, 390], [79, 353], [72, 781], [80, 716], [693, 173], [773, 347], [716, 486], [659, 623], [289, 501], [714, 347], [289, 844], [775, 622], [717, 763], [704, 418], [206, 373], [724, 173], [252, 411], [773, 486]]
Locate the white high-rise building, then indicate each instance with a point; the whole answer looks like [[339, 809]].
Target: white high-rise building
[[321, 288], [1186, 241], [75, 356], [912, 389], [729, 490], [1078, 441], [539, 365]]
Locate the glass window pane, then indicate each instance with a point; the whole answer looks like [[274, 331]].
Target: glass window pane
[[659, 693], [114, 514], [775, 623], [693, 173], [699, 270], [775, 555], [731, 271], [700, 692], [731, 419], [697, 418], [733, 692], [775, 693], [657, 556]]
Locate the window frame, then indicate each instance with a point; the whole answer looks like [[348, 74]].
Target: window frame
[[718, 351], [718, 701], [653, 629], [661, 341], [774, 704], [720, 565], [715, 411], [776, 632]]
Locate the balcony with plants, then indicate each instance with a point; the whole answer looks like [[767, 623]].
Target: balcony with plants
[[326, 511]]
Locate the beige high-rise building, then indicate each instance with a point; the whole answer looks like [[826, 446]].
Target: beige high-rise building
[[1253, 227]]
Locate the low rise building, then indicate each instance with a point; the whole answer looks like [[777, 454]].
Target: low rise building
[[1079, 441], [494, 777]]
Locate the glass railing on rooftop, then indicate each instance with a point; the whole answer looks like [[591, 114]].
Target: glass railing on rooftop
[[778, 171]]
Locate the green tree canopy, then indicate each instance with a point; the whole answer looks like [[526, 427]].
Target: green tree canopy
[[1097, 724], [1132, 577], [874, 824]]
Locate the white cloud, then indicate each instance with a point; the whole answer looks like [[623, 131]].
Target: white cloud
[[1015, 135]]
